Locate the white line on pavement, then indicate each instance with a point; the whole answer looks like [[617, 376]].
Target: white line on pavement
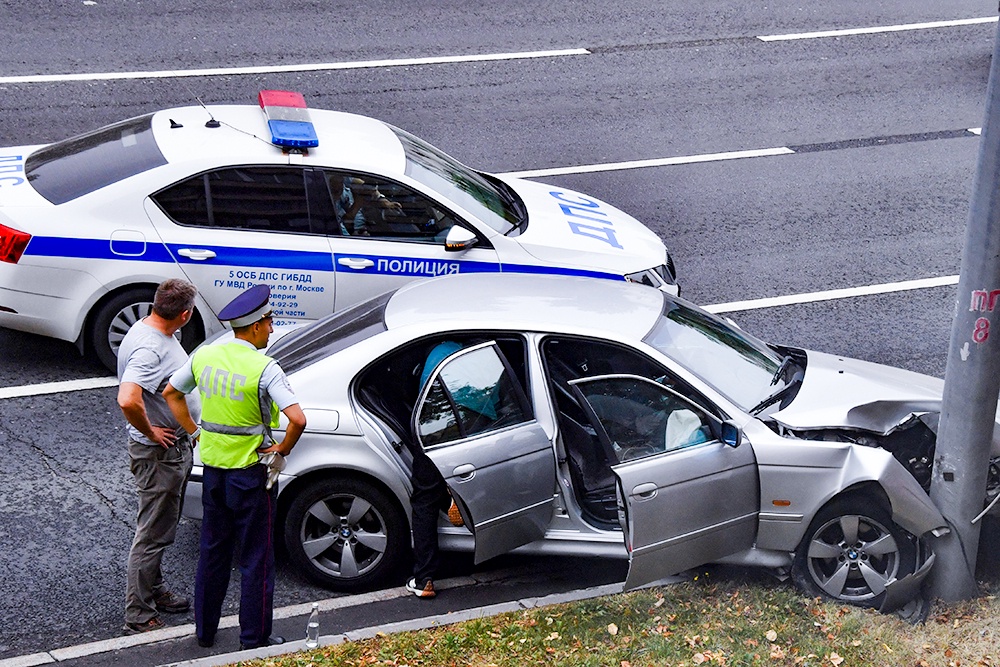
[[57, 387], [875, 29], [829, 295], [656, 162], [271, 69]]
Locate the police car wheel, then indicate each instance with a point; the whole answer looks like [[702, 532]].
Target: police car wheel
[[346, 535], [112, 319]]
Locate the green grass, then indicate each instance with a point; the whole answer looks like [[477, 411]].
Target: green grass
[[733, 622]]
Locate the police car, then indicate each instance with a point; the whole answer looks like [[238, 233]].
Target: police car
[[327, 208]]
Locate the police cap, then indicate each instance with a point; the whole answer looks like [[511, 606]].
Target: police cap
[[248, 307]]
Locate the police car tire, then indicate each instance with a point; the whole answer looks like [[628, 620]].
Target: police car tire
[[338, 494], [104, 316]]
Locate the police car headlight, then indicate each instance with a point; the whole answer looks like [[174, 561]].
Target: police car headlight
[[657, 276]]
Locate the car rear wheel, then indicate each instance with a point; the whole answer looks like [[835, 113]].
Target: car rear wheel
[[851, 551], [347, 535], [112, 320]]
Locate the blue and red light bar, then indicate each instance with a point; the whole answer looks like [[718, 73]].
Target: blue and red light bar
[[288, 119]]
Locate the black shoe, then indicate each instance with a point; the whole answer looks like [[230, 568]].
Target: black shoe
[[206, 643], [273, 640]]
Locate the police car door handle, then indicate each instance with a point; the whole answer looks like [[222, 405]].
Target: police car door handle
[[355, 262], [197, 254]]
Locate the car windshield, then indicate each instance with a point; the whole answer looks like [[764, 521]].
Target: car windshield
[[736, 364], [331, 334], [490, 201], [77, 166]]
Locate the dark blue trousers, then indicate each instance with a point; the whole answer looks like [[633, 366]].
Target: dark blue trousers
[[239, 519], [429, 497]]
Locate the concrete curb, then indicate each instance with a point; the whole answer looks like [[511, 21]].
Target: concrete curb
[[402, 626]]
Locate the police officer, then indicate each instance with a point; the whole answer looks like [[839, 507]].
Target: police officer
[[242, 391]]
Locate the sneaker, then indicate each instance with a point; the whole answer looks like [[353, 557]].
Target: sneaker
[[172, 603], [148, 626], [425, 591]]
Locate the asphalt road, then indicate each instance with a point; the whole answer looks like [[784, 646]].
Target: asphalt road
[[877, 193]]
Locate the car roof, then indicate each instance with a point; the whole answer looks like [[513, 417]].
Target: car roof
[[242, 136], [528, 303]]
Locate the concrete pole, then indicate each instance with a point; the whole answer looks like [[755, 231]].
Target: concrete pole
[[972, 375]]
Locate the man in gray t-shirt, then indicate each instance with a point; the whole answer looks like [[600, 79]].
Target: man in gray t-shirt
[[160, 451]]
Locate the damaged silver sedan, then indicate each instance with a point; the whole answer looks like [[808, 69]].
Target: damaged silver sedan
[[572, 416]]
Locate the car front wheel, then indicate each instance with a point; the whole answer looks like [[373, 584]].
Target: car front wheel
[[347, 535], [851, 551]]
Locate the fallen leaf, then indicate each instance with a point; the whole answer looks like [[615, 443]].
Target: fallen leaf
[[612, 629], [771, 635], [698, 658], [835, 659]]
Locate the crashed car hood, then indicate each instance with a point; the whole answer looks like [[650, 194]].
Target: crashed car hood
[[840, 392], [565, 226]]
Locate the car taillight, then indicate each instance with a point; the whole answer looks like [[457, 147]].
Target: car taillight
[[12, 244]]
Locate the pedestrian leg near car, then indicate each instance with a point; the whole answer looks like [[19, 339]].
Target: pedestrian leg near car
[[242, 391], [160, 451]]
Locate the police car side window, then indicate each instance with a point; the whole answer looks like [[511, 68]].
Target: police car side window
[[253, 198], [373, 207]]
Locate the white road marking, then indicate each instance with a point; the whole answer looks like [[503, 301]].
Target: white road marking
[[829, 295], [731, 307], [875, 29], [272, 69], [657, 162]]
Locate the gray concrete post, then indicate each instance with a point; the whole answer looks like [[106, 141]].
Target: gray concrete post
[[972, 375]]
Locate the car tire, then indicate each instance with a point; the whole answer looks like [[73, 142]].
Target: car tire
[[113, 318], [851, 550], [347, 535]]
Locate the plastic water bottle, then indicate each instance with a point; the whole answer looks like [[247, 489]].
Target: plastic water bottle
[[312, 627]]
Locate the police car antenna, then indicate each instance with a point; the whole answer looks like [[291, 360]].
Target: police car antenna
[[211, 119]]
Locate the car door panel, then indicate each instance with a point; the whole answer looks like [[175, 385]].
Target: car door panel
[[684, 497], [688, 507], [506, 482], [475, 423]]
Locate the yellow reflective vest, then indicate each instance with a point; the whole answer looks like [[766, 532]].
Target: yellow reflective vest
[[232, 404]]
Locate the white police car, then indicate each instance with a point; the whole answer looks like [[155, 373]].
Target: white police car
[[327, 208]]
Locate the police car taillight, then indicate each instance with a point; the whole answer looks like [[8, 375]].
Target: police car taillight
[[288, 119], [12, 244]]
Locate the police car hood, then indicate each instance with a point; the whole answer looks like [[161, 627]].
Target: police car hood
[[840, 392], [566, 227], [14, 188]]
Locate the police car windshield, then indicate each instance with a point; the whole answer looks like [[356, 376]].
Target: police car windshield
[[77, 166], [492, 202], [331, 334]]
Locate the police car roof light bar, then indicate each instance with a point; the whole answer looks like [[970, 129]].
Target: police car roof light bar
[[288, 119]]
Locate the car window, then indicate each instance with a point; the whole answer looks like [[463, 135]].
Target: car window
[[473, 392], [265, 198], [367, 206], [494, 204], [77, 166], [642, 418]]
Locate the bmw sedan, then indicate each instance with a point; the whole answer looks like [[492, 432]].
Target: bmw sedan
[[574, 416]]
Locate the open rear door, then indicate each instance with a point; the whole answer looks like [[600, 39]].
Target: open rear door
[[475, 423]]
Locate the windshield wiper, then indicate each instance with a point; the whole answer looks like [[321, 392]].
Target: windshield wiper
[[776, 396], [785, 364]]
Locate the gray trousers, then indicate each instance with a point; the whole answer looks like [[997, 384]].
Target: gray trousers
[[160, 476]]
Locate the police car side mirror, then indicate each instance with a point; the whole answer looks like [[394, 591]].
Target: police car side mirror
[[459, 239]]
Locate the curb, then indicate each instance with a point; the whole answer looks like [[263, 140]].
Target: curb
[[402, 626]]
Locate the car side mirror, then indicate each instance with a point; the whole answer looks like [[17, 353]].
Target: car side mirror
[[730, 434], [459, 239]]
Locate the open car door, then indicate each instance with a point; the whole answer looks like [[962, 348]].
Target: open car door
[[685, 498], [475, 422]]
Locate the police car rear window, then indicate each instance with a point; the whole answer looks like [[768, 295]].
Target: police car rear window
[[74, 167], [331, 334]]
